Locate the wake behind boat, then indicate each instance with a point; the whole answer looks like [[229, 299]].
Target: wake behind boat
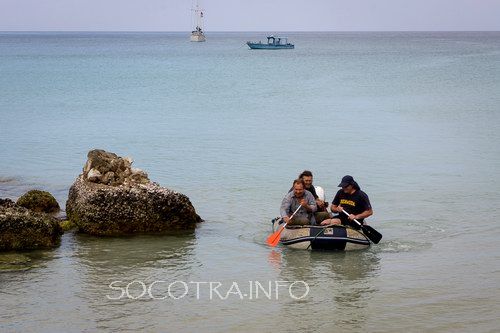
[[273, 43]]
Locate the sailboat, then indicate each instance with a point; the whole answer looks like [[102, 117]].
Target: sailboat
[[197, 34]]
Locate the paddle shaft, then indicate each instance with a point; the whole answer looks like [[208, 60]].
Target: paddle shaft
[[274, 238], [369, 232], [346, 213], [291, 217]]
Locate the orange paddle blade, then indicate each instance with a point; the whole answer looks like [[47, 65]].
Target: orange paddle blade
[[274, 239]]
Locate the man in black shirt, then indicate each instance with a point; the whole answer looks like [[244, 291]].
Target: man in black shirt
[[351, 199]]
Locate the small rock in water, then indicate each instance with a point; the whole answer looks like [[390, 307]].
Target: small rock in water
[[39, 201], [24, 229]]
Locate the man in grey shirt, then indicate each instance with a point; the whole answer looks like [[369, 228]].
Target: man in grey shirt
[[298, 197]]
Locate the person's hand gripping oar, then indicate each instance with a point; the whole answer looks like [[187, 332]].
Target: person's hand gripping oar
[[369, 232], [274, 239]]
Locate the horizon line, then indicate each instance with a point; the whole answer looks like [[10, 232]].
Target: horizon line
[[235, 31]]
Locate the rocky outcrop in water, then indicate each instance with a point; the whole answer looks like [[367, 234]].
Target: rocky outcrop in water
[[39, 201], [109, 169], [24, 229], [111, 198]]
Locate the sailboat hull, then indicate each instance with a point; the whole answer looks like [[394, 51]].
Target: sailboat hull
[[197, 37]]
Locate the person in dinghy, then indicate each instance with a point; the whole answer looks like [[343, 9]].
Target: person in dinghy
[[351, 199], [299, 197], [321, 213]]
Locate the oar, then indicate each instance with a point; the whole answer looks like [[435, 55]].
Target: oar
[[369, 232], [274, 239]]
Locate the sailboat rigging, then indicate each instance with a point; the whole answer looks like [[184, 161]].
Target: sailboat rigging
[[197, 35]]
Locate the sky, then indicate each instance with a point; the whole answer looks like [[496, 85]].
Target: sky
[[251, 15]]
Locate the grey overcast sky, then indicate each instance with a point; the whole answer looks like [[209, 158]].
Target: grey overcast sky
[[250, 15]]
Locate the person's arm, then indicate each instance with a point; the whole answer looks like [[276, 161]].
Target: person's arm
[[320, 203], [368, 211], [336, 207], [363, 215], [310, 204], [285, 208]]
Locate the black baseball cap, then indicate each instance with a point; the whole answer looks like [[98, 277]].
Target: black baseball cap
[[346, 180]]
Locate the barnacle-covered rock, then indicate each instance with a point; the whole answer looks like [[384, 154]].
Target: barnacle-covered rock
[[39, 201], [24, 229], [124, 201]]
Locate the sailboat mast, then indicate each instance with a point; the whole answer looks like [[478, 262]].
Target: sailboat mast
[[198, 13], [197, 34]]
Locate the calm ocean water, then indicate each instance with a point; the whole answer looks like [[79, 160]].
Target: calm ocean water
[[412, 116]]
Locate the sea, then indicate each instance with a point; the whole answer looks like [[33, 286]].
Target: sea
[[414, 117]]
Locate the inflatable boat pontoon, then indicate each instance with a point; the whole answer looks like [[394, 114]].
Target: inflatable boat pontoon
[[310, 237]]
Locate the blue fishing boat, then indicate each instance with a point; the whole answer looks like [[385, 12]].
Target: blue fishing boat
[[273, 43]]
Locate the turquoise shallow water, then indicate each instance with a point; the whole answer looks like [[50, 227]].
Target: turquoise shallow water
[[412, 116]]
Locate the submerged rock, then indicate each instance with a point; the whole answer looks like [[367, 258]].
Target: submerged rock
[[66, 225], [39, 201], [124, 201], [14, 262], [24, 229]]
